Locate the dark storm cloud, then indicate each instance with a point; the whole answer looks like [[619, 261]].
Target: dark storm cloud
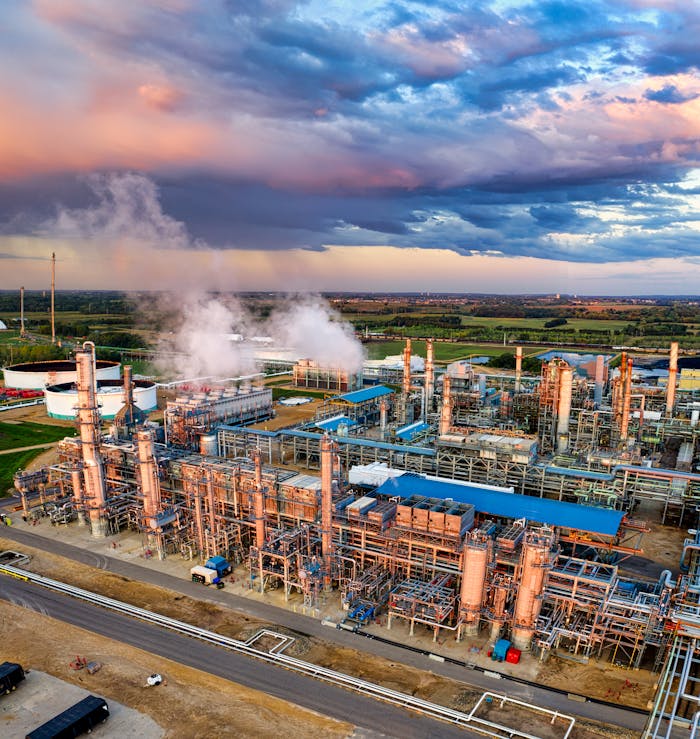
[[527, 129]]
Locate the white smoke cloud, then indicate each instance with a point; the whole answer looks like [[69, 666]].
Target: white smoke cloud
[[128, 207], [306, 326]]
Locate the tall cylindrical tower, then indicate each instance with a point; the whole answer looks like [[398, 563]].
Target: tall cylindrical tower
[[672, 375], [429, 375], [446, 410], [328, 449], [566, 378], [89, 424], [474, 564]]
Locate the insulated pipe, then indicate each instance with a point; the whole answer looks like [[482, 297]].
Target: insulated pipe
[[535, 563], [672, 375], [475, 562], [328, 449], [518, 367], [446, 411], [626, 402], [406, 388], [259, 502], [89, 423], [429, 375], [382, 419], [599, 380], [566, 378]]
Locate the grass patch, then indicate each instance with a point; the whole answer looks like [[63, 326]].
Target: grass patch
[[445, 351], [9, 464], [283, 392], [13, 435]]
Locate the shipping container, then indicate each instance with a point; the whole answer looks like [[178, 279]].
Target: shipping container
[[11, 675], [74, 721]]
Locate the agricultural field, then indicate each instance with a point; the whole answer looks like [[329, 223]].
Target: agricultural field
[[445, 351]]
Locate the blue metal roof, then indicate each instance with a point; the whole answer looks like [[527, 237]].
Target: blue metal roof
[[367, 393], [331, 424], [510, 505], [407, 433]]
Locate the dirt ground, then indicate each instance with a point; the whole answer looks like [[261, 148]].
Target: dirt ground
[[400, 677], [176, 705]]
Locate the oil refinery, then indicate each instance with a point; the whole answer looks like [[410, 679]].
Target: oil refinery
[[456, 503]]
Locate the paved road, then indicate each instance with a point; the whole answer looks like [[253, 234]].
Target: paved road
[[305, 625], [314, 694]]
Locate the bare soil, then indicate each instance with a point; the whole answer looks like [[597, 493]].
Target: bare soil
[[39, 642]]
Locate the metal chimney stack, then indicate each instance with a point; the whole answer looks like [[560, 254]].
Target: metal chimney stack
[[21, 312], [672, 376], [382, 419], [518, 367], [446, 411], [429, 375], [53, 297]]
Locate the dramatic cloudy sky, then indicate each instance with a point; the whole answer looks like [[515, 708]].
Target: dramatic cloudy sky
[[483, 145]]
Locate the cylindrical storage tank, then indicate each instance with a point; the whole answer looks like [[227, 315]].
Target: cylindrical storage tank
[[209, 445], [37, 375], [476, 557], [61, 400]]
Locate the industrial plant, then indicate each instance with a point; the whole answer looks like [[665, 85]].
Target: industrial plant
[[454, 502]]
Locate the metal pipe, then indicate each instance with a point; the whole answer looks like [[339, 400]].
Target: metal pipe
[[518, 367], [566, 378], [429, 375], [446, 411], [672, 375]]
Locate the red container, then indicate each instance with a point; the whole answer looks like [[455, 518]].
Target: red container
[[513, 655]]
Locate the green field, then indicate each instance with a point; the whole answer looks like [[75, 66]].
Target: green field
[[572, 324], [14, 435], [282, 392], [10, 463]]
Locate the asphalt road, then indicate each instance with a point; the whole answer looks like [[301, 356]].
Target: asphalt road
[[314, 694], [612, 715]]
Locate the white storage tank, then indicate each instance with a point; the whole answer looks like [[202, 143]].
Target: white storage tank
[[62, 399], [37, 375]]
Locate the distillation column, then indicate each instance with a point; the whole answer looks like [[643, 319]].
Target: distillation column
[[77, 485], [89, 423], [518, 367], [535, 562], [429, 376], [672, 375], [626, 403], [476, 556], [259, 502], [328, 449], [150, 489], [599, 380], [566, 379], [446, 410], [382, 419], [53, 298], [21, 313]]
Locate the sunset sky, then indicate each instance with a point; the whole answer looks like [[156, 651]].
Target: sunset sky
[[503, 146]]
